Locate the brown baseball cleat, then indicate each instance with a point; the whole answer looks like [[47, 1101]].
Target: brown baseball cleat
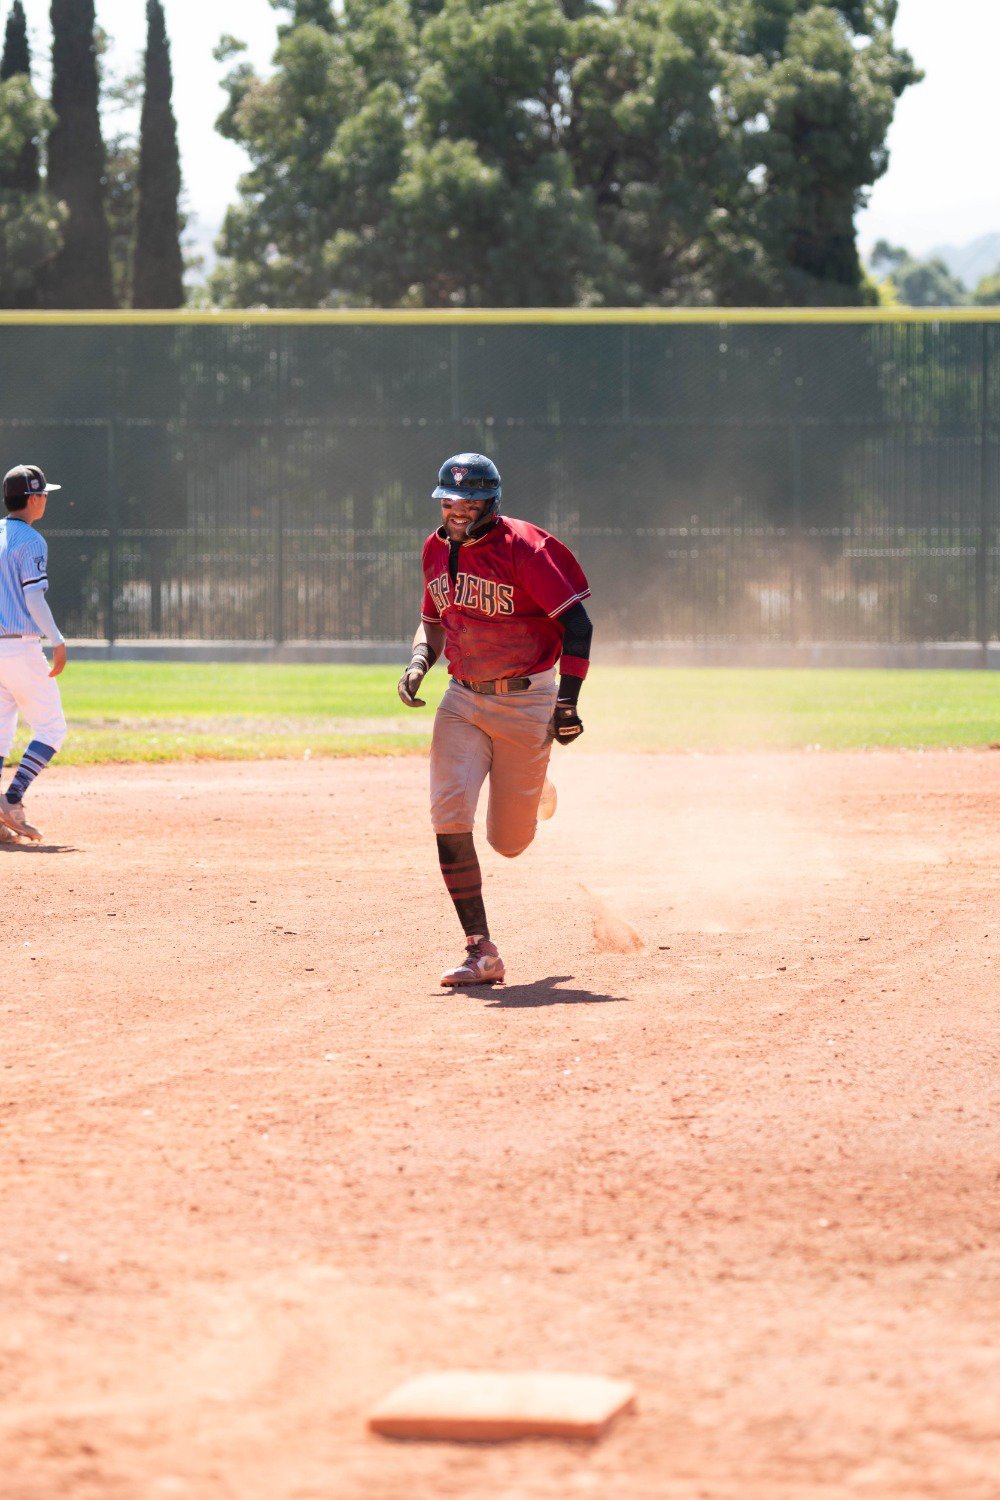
[[12, 816], [547, 801], [483, 965]]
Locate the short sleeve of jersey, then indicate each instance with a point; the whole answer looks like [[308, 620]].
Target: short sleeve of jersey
[[428, 609], [33, 564], [551, 575]]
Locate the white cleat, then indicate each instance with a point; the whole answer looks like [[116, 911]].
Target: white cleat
[[12, 816], [547, 801], [483, 965], [6, 837]]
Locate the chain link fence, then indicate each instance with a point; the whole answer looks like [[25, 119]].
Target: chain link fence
[[722, 480]]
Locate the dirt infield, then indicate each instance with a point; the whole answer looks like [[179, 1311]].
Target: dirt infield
[[258, 1167]]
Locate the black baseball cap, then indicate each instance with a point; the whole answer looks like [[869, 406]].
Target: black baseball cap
[[25, 480]]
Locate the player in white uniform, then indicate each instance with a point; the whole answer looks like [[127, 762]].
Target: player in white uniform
[[26, 681]]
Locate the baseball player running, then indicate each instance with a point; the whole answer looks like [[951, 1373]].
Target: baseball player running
[[504, 601], [26, 682]]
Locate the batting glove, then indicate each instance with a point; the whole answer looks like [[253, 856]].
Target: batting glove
[[409, 684], [566, 725]]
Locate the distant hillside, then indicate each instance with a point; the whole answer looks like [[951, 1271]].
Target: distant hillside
[[970, 263]]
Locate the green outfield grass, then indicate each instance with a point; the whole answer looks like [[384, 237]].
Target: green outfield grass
[[175, 711]]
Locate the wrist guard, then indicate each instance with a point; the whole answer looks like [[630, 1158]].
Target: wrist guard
[[409, 684]]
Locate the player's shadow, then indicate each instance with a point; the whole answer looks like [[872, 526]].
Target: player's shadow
[[546, 992], [38, 849]]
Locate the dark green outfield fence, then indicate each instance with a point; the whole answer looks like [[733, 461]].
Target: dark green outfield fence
[[762, 477]]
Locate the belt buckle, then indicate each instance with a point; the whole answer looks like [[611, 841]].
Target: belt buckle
[[500, 685]]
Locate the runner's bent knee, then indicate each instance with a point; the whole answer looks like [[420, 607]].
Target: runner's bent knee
[[506, 847]]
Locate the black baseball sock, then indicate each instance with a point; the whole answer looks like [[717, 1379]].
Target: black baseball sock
[[463, 877]]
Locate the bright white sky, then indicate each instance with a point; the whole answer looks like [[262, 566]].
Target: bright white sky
[[941, 187]]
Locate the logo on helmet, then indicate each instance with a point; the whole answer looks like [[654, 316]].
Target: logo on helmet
[[458, 475]]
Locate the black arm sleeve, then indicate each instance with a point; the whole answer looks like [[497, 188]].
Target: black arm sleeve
[[578, 631]]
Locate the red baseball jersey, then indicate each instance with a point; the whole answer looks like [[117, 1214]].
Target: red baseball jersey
[[500, 616]]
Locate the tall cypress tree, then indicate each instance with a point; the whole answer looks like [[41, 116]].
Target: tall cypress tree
[[158, 269], [82, 273], [23, 175], [16, 54]]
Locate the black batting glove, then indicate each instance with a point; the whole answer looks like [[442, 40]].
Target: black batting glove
[[409, 684], [565, 725]]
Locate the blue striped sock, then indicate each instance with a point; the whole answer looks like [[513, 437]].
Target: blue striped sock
[[34, 759]]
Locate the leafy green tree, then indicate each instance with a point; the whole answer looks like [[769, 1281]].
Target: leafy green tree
[[485, 206], [467, 154], [273, 240], [158, 268], [653, 142], [306, 13], [81, 275], [470, 152], [987, 293], [815, 84], [917, 283], [929, 284]]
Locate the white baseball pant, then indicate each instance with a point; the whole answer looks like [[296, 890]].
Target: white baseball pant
[[25, 686], [504, 738]]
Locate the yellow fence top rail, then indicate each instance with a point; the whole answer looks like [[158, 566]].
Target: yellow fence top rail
[[468, 317]]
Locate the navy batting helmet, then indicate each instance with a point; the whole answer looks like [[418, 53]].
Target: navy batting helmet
[[471, 476]]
